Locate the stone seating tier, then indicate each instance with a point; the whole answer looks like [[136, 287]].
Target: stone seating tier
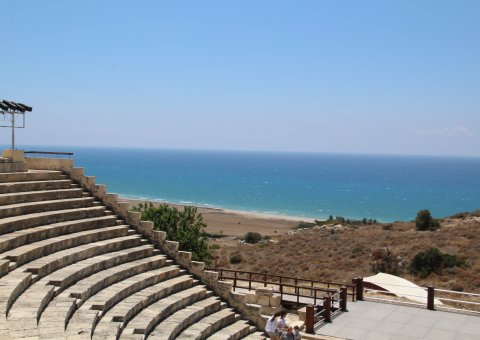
[[71, 268]]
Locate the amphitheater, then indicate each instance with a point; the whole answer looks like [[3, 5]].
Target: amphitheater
[[76, 264]]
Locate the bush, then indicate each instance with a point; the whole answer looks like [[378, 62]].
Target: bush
[[215, 235], [236, 258], [357, 250], [425, 221], [252, 237], [214, 246], [433, 261], [387, 227], [384, 262], [186, 227], [302, 225], [344, 221]]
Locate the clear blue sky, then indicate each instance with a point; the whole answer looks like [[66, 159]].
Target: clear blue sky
[[395, 77]]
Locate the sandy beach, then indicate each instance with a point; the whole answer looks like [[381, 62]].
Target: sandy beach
[[237, 223]]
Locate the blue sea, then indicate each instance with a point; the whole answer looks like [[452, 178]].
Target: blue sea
[[386, 188]]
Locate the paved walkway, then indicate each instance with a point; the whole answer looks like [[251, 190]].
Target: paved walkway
[[372, 320]]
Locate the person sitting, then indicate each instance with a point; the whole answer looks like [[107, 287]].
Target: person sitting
[[282, 322], [288, 334], [296, 333]]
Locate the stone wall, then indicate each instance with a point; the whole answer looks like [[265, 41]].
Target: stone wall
[[63, 164], [269, 302]]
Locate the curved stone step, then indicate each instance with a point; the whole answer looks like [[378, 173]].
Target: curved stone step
[[69, 275], [87, 316], [37, 207], [172, 326], [17, 281], [145, 321], [31, 175], [36, 196], [55, 317], [4, 266], [114, 320], [50, 263], [236, 330], [35, 185], [27, 236], [256, 336], [33, 301], [11, 224], [209, 325], [13, 284], [32, 251]]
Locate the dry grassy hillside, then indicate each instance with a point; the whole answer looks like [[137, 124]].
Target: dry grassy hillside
[[342, 253]]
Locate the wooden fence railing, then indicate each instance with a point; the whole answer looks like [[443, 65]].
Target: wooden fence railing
[[286, 286]]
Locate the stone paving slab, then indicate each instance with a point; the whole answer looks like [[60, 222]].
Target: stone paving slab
[[372, 320]]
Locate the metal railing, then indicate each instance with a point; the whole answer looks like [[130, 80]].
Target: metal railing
[[294, 286], [285, 285], [45, 153]]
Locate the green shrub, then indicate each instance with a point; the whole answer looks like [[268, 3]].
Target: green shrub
[[357, 250], [264, 244], [433, 261], [215, 235], [425, 221], [302, 225], [214, 246], [252, 237], [345, 221], [186, 227], [236, 258]]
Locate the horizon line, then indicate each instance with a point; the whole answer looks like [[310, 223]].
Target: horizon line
[[251, 150]]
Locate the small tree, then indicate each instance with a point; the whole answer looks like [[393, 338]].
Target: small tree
[[236, 258], [252, 237], [433, 261], [186, 227], [425, 221], [384, 262]]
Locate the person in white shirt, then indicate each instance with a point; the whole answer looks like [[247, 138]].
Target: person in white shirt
[[282, 322], [271, 326]]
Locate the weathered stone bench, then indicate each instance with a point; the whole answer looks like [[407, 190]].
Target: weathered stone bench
[[172, 326], [236, 330], [69, 275], [116, 318], [32, 251], [43, 195], [17, 281], [86, 318], [21, 237], [36, 207], [210, 324], [35, 185], [37, 296], [148, 318], [13, 224], [37, 175], [57, 314]]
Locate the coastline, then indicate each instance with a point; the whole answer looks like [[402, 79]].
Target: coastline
[[235, 222]]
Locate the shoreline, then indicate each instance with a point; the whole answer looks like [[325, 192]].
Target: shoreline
[[226, 210], [234, 222]]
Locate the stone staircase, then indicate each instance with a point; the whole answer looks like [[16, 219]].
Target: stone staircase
[[70, 268]]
